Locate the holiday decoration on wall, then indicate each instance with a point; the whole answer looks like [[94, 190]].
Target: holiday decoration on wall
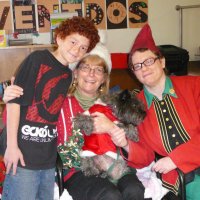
[[2, 38], [71, 1], [116, 14], [24, 18], [5, 16], [138, 13], [23, 2], [30, 16], [72, 6], [95, 10], [45, 8]]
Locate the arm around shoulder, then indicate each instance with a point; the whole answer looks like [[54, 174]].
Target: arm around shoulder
[[13, 153]]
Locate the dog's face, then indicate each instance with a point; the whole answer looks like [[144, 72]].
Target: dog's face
[[126, 107]]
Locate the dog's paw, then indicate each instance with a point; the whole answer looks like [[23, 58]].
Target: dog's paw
[[84, 123], [88, 167], [90, 171], [103, 174], [132, 133], [133, 137]]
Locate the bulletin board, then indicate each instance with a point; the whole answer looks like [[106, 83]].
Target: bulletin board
[[5, 16], [44, 9], [96, 11], [138, 13], [116, 14], [31, 16], [24, 19], [72, 6]]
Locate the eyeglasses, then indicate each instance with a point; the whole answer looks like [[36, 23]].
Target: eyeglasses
[[148, 62], [98, 70]]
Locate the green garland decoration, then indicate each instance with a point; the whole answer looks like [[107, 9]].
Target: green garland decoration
[[70, 150]]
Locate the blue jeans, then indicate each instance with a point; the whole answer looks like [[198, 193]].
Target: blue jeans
[[29, 185]]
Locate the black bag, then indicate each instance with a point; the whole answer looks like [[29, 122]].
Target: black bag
[[3, 141]]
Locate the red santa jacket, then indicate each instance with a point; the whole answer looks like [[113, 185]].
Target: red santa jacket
[[98, 144]]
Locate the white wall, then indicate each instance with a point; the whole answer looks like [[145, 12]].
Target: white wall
[[164, 21]]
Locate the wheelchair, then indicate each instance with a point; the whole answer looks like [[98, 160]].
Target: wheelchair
[[168, 196], [182, 193], [182, 188], [59, 171]]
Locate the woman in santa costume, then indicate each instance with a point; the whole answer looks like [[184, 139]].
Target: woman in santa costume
[[172, 125], [91, 79]]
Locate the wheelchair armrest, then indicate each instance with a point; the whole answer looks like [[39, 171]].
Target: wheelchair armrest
[[59, 170], [181, 176], [182, 184]]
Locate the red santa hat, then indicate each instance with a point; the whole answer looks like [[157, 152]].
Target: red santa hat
[[144, 39]]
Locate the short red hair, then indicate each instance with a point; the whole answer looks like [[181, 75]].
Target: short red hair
[[80, 25]]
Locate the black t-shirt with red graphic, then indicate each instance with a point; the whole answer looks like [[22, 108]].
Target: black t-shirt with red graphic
[[45, 82]]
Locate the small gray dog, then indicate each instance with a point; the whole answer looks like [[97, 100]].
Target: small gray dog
[[99, 155]]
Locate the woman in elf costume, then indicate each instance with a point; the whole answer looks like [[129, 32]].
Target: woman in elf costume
[[172, 125]]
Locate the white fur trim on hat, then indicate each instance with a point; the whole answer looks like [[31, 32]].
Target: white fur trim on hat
[[102, 52], [88, 153], [103, 36]]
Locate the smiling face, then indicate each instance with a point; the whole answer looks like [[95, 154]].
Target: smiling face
[[71, 49], [152, 75], [90, 80]]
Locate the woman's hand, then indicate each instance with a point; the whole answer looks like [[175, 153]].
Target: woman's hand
[[101, 123], [104, 125], [164, 165], [12, 92], [118, 136]]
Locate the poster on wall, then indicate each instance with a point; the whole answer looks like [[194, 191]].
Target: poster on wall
[[44, 9], [24, 19], [138, 13], [5, 20], [22, 15], [95, 10], [72, 6], [116, 14]]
